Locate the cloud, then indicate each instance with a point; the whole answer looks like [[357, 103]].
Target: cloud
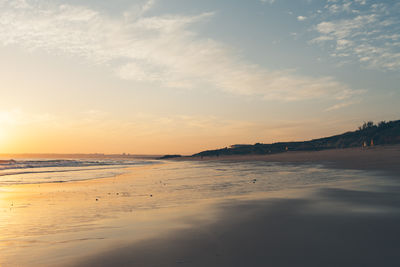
[[301, 18], [367, 34], [341, 105], [361, 2], [148, 5], [163, 49], [268, 1]]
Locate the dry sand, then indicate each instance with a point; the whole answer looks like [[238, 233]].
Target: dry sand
[[379, 158]]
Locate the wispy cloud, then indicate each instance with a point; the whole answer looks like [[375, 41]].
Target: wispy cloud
[[148, 5], [267, 1], [301, 18], [340, 105], [163, 49], [363, 31]]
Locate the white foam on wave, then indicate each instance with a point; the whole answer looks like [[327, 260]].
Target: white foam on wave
[[62, 170]]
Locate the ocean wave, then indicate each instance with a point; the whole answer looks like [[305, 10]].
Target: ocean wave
[[62, 170], [28, 164]]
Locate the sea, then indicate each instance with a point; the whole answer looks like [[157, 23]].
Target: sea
[[60, 170]]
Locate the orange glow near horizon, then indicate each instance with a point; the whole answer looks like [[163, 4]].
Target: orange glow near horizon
[[142, 137]]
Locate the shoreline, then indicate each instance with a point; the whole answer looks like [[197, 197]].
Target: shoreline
[[378, 158]]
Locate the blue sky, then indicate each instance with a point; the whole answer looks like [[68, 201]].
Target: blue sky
[[182, 76]]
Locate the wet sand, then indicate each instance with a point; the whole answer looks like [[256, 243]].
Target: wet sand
[[334, 227]]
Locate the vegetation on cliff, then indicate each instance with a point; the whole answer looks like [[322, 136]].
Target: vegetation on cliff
[[368, 134]]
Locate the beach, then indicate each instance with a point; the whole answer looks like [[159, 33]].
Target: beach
[[326, 208], [225, 133]]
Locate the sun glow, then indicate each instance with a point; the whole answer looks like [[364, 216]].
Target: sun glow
[[7, 120], [5, 134], [2, 136]]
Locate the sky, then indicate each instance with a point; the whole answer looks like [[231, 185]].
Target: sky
[[182, 76]]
